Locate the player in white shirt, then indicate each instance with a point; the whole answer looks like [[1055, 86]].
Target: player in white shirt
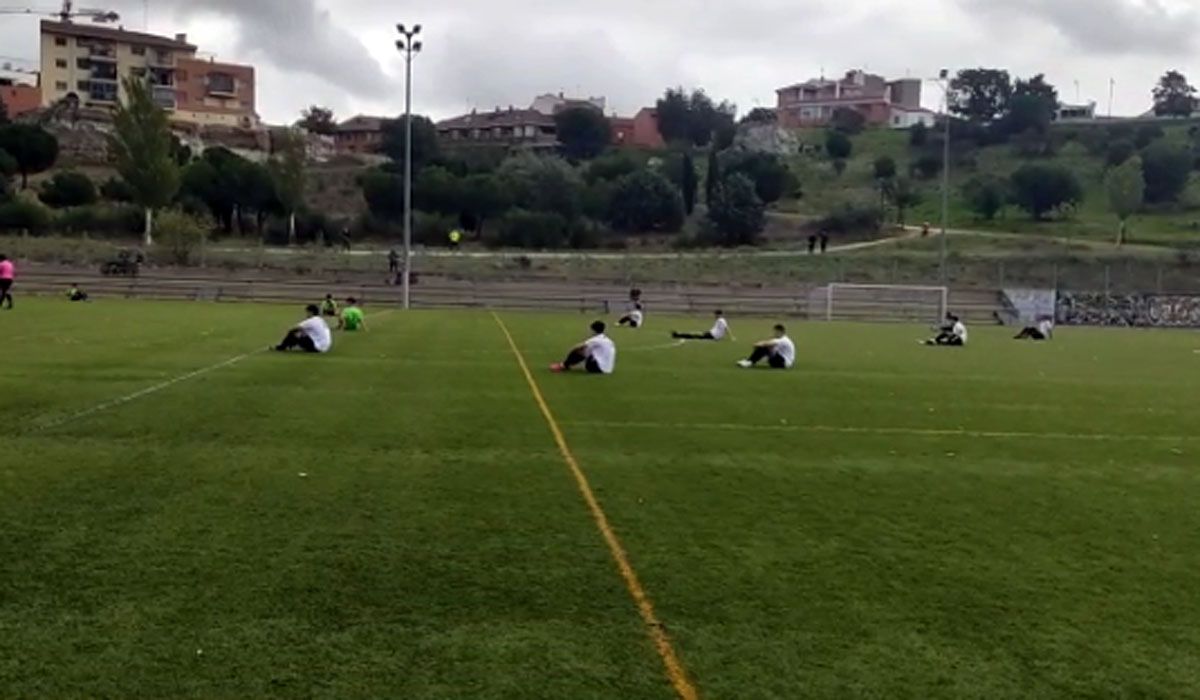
[[634, 318], [779, 352], [1044, 330], [720, 331], [952, 334], [310, 335], [597, 354]]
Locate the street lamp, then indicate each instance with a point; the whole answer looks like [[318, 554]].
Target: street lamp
[[944, 81], [408, 46]]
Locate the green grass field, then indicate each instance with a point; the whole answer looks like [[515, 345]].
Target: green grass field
[[396, 520]]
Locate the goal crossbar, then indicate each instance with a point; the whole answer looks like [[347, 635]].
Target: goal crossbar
[[887, 302]]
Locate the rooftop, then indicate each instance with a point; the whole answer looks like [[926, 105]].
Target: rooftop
[[91, 31], [499, 118]]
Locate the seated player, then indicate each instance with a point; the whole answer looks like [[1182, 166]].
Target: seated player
[[634, 318], [76, 294], [779, 352], [311, 335], [597, 354], [952, 334], [720, 331], [329, 307], [352, 318], [1044, 330]]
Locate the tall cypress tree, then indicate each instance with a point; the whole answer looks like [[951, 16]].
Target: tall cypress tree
[[688, 184], [713, 182]]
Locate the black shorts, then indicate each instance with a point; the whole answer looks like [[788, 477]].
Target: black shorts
[[592, 366], [5, 285], [777, 362]]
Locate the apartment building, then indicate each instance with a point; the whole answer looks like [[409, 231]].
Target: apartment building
[[88, 62], [895, 104], [361, 135], [519, 127]]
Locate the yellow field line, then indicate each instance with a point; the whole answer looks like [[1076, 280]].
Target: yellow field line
[[654, 627]]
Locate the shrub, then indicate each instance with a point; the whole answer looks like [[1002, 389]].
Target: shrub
[[68, 189], [1040, 189], [986, 196], [853, 217], [433, 229], [179, 235], [772, 178], [1118, 152], [521, 228], [848, 121], [927, 167], [19, 215], [918, 136], [116, 190], [1168, 168], [885, 168], [737, 214], [101, 221], [646, 201], [1148, 134], [838, 145]]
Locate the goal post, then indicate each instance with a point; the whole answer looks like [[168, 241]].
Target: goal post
[[883, 302]]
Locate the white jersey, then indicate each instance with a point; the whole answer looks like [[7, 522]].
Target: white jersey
[[316, 329], [720, 329], [785, 348], [603, 350], [1046, 328], [637, 317], [960, 331]]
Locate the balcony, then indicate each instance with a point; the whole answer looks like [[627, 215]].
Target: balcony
[[106, 55], [161, 59], [164, 96]]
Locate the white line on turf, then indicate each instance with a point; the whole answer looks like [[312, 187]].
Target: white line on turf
[[664, 346], [918, 432]]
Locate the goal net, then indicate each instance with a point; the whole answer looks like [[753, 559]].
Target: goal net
[[869, 302]]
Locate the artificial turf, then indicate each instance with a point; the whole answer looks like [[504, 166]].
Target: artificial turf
[[395, 519]]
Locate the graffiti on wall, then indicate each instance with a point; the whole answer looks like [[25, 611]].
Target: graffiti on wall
[[1131, 310]]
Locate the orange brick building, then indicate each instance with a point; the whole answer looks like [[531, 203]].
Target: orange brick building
[[19, 99], [208, 92], [640, 131]]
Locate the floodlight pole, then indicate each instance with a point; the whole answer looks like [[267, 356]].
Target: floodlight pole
[[945, 82], [409, 48]]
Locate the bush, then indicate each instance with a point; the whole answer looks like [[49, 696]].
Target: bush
[[68, 189], [885, 168], [1148, 134], [433, 229], [772, 178], [19, 215], [927, 167], [613, 165], [848, 121], [116, 190], [101, 221], [838, 145], [1168, 168], [646, 201], [521, 228], [1041, 189], [737, 214], [853, 217], [179, 235], [918, 136], [1118, 152], [986, 196]]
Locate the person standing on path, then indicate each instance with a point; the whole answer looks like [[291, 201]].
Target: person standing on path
[[8, 275]]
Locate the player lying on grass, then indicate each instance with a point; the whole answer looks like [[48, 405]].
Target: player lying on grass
[[720, 331], [1044, 330], [634, 318], [952, 334], [329, 307], [352, 318], [779, 352], [76, 294], [597, 354], [311, 335]]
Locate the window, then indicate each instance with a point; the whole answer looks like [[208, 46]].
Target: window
[[60, 86], [60, 63], [137, 72], [139, 50], [60, 41], [84, 86], [82, 63]]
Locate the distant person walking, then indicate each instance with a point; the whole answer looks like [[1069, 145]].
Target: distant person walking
[[824, 242], [393, 262], [455, 239], [812, 244], [8, 275]]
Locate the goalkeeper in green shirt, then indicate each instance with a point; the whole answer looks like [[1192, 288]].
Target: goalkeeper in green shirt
[[352, 318]]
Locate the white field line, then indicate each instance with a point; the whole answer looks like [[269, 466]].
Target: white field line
[[71, 418], [919, 432], [121, 401], [651, 348]]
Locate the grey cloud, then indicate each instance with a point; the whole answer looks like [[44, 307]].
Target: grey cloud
[[299, 37], [1104, 26]]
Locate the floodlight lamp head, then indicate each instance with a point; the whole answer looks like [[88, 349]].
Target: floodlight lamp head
[[417, 29], [945, 73], [417, 47], [400, 28]]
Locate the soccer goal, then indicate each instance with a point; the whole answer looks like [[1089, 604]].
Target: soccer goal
[[878, 302]]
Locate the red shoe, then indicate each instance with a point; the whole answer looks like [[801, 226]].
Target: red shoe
[[558, 368]]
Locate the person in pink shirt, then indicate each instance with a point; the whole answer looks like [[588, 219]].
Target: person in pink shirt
[[7, 274]]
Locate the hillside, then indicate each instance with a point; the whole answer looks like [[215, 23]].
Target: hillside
[[1081, 149]]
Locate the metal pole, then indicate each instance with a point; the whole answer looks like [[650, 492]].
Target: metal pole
[[945, 186], [407, 272]]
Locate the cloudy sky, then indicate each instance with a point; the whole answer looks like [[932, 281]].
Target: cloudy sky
[[488, 53]]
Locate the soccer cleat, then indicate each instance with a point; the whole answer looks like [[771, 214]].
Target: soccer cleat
[[745, 364], [558, 368]]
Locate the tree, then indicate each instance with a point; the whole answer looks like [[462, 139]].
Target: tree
[[903, 195], [1126, 187], [33, 148], [1118, 152], [8, 166], [543, 183], [68, 189], [848, 121], [318, 120], [674, 111], [646, 201], [918, 136], [483, 198], [927, 166], [384, 194], [425, 141], [1174, 96], [771, 177], [141, 147], [1168, 168], [760, 115], [287, 172], [689, 184], [1147, 134], [1040, 189], [116, 190], [583, 132], [885, 168], [838, 145], [712, 183], [695, 119], [436, 189], [1033, 105], [980, 94], [986, 196], [737, 214]]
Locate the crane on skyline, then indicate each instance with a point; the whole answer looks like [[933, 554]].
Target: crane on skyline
[[68, 13]]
